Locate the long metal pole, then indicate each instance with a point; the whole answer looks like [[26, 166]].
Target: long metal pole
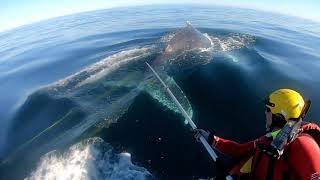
[[184, 113]]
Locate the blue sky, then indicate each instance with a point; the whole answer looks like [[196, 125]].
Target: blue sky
[[15, 13]]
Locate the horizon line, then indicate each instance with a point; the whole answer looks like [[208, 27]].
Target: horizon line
[[160, 4]]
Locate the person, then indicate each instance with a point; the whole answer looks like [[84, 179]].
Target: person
[[288, 150]]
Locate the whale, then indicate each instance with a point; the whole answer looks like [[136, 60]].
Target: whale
[[98, 95], [187, 38]]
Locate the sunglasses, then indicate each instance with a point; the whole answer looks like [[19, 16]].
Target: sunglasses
[[267, 102]]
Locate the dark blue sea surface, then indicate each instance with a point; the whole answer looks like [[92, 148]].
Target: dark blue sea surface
[[77, 100]]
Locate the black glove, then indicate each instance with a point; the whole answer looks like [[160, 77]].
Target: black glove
[[208, 135]]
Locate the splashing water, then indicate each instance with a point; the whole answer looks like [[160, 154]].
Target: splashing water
[[89, 159]]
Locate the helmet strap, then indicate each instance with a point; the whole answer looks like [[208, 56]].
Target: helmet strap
[[278, 120]]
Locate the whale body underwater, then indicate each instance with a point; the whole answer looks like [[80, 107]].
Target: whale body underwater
[[97, 96]]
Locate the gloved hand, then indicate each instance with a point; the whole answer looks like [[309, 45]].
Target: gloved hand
[[208, 135]]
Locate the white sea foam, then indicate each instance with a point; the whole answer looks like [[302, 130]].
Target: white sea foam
[[231, 42], [166, 38], [90, 159]]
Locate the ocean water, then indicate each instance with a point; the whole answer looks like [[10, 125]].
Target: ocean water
[[78, 102]]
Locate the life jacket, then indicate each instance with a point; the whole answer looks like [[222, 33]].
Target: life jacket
[[249, 167]]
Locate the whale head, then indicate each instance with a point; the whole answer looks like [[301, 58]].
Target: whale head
[[187, 38]]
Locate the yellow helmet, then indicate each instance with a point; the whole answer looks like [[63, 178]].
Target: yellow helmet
[[287, 102]]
